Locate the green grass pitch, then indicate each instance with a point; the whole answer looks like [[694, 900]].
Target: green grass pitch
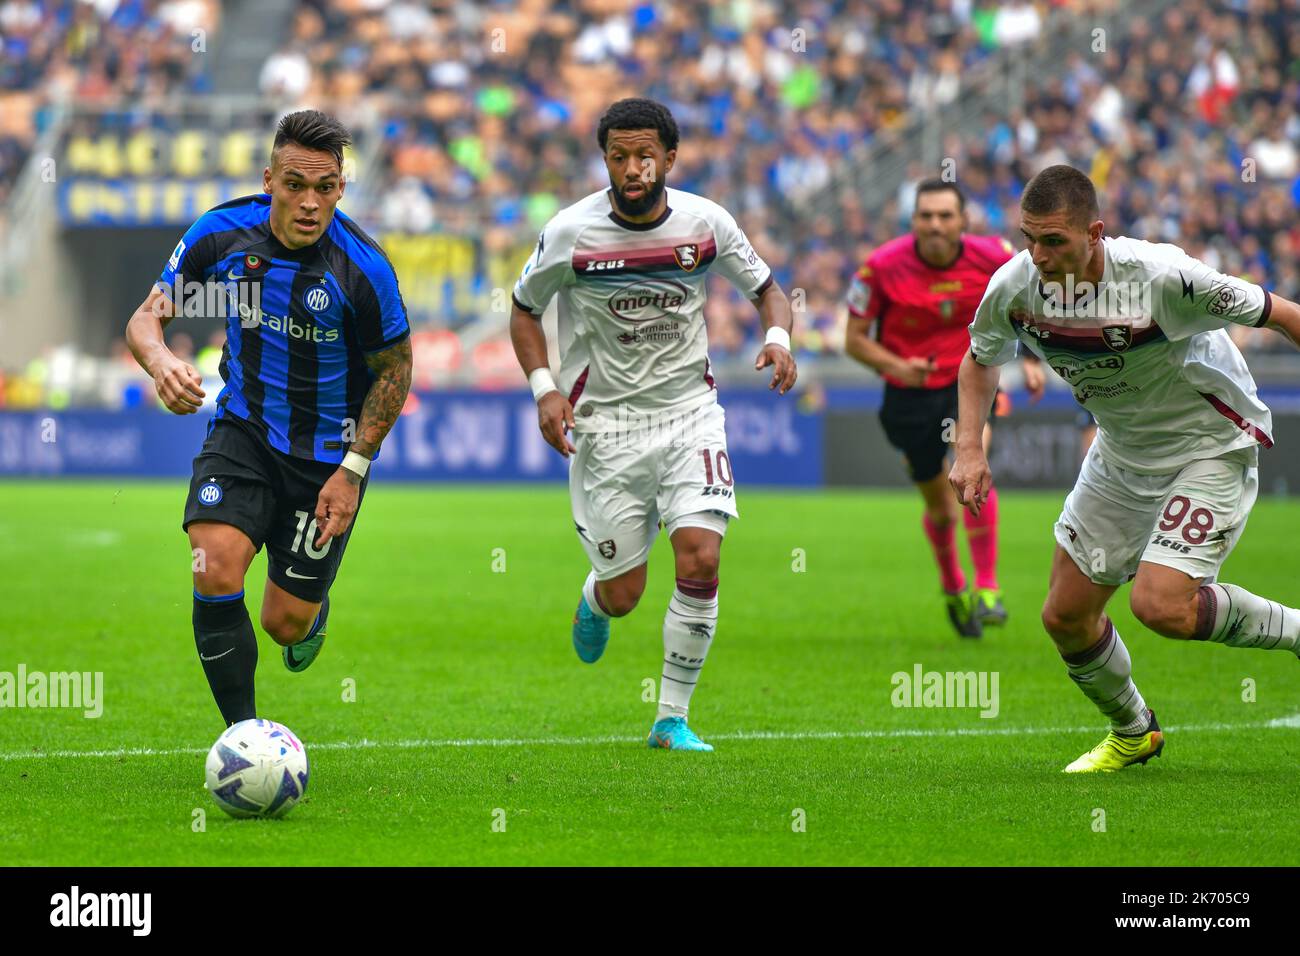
[[470, 700]]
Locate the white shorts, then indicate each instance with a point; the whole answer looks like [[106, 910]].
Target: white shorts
[[623, 484], [1189, 519]]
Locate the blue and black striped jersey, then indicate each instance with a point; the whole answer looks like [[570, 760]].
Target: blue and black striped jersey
[[298, 321]]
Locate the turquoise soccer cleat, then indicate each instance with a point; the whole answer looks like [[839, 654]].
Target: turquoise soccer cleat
[[298, 657], [671, 733], [590, 633]]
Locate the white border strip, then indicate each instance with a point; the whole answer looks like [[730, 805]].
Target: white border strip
[[1291, 722]]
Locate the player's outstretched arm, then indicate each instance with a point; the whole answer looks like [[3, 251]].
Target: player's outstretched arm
[[778, 323], [970, 475], [1284, 317], [337, 504], [554, 413], [178, 383]]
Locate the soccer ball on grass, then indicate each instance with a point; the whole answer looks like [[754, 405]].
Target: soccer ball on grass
[[257, 768]]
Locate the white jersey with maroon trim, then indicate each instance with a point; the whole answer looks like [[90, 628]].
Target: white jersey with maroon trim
[[1147, 352], [632, 334]]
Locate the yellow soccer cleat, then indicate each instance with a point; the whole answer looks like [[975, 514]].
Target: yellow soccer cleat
[[1118, 751]]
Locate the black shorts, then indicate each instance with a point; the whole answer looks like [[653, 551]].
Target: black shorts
[[242, 481], [917, 421]]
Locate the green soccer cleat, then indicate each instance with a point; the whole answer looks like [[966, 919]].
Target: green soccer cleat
[[989, 608], [298, 657], [1118, 751], [962, 612]]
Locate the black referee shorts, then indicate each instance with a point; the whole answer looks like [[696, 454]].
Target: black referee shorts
[[240, 480], [918, 422]]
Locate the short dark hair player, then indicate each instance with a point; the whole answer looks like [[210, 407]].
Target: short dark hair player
[[316, 365]]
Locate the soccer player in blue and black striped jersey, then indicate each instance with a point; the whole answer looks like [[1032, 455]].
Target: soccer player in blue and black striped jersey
[[317, 364]]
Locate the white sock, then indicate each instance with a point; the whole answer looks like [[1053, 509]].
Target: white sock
[[1104, 674], [688, 632], [589, 592], [1231, 615]]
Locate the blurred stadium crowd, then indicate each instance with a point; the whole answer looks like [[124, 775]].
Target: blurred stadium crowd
[[1190, 125], [109, 51]]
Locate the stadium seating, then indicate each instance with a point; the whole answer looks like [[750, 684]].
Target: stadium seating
[[482, 118]]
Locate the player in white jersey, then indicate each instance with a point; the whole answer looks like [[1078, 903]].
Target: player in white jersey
[[629, 265], [1138, 331]]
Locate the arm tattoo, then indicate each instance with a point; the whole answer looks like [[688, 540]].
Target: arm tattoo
[[387, 395]]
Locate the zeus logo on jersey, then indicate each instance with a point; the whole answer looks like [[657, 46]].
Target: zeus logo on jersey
[[1024, 322], [599, 265]]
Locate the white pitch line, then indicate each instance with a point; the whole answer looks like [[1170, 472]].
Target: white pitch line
[[1291, 722]]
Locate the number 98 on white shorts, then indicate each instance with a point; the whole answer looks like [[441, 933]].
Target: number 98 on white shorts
[[1189, 519]]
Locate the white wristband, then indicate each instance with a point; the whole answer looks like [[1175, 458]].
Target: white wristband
[[541, 382], [356, 463], [778, 336]]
